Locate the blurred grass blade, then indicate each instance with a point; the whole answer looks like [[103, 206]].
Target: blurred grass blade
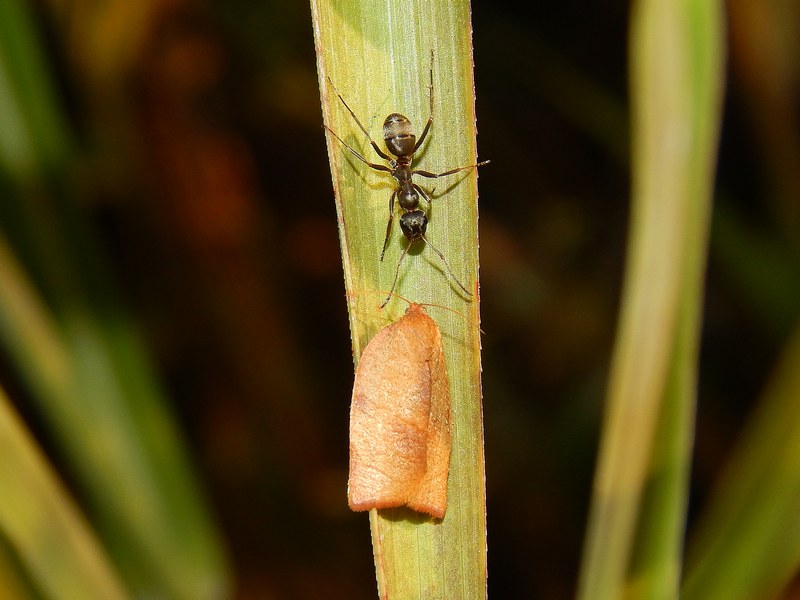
[[13, 583], [42, 525], [33, 137], [377, 54], [747, 543], [676, 76], [56, 368], [82, 362]]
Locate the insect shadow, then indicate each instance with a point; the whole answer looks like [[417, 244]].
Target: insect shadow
[[402, 144]]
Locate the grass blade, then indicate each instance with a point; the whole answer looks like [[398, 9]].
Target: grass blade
[[377, 54], [676, 74], [42, 525], [747, 544]]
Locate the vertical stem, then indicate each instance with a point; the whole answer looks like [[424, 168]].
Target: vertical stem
[[676, 75], [377, 54]]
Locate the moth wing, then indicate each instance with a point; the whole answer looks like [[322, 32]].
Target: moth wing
[[389, 419], [431, 494]]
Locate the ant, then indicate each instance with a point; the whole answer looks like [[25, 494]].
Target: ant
[[402, 144]]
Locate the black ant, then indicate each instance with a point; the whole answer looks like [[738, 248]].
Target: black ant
[[402, 143]]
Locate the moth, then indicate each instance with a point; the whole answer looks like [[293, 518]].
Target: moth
[[400, 413]]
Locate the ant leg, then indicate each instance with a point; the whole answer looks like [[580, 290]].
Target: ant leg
[[430, 118], [449, 270], [450, 172], [357, 155], [389, 224], [375, 146], [396, 273], [422, 192]]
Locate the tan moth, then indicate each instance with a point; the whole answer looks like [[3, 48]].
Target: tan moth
[[400, 419]]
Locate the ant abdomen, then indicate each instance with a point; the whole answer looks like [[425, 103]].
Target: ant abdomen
[[398, 136]]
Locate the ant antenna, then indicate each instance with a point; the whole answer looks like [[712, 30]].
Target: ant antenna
[[396, 273], [439, 254]]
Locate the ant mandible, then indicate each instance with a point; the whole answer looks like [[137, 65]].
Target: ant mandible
[[402, 143]]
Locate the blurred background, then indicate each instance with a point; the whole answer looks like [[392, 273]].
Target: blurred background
[[196, 164]]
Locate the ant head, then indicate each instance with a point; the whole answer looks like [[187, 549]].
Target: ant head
[[414, 224], [397, 134]]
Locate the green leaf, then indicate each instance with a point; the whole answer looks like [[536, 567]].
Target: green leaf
[[641, 485], [42, 525], [747, 543], [377, 55]]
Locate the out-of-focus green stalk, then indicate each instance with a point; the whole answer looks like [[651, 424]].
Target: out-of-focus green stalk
[[747, 543], [76, 349], [41, 524], [378, 55], [641, 487]]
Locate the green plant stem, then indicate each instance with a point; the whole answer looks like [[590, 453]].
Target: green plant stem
[[641, 483], [747, 542], [377, 54], [43, 526]]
